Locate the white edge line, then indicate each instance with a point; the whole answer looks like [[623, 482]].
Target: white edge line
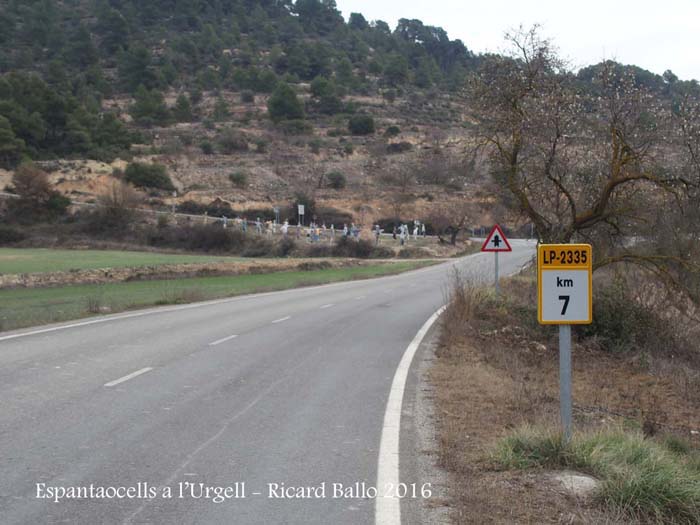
[[326, 306], [166, 309], [387, 510], [282, 319], [129, 376], [223, 340]]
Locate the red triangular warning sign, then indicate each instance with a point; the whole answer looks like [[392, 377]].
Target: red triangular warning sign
[[496, 241]]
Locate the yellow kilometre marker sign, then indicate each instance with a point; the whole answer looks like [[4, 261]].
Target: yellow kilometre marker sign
[[564, 284]]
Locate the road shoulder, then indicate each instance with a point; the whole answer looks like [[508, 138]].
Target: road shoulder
[[419, 444]]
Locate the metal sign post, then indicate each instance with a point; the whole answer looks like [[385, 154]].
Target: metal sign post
[[300, 209], [564, 297], [496, 242], [498, 288], [565, 402]]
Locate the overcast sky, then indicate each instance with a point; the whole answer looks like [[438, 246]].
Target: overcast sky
[[656, 35]]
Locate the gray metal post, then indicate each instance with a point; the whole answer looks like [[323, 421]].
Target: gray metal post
[[498, 288], [565, 404]]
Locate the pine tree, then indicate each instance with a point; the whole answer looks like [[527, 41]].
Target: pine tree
[[182, 110], [11, 148], [113, 30], [221, 111], [149, 107], [284, 104]]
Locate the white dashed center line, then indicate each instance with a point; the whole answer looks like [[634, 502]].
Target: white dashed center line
[[219, 341], [281, 320], [130, 376], [327, 306]]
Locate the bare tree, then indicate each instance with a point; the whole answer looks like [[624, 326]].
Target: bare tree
[[116, 208], [32, 185], [401, 178], [581, 163], [120, 198], [687, 120], [450, 219], [37, 199]]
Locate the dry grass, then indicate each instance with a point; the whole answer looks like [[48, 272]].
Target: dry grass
[[497, 370], [188, 295]]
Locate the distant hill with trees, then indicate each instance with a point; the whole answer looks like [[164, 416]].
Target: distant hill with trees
[[60, 60]]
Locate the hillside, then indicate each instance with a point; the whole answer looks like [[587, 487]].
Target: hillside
[[188, 85]]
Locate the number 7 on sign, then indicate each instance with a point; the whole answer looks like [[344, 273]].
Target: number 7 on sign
[[566, 299]]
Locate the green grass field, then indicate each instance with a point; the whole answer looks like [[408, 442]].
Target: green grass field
[[21, 307], [39, 260]]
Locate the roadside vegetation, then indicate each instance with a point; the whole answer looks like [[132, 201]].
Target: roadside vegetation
[[636, 379], [119, 220], [654, 481], [21, 307]]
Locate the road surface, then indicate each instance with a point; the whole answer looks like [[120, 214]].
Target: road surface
[[272, 395]]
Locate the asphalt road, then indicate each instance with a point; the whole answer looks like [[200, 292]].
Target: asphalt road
[[170, 398]]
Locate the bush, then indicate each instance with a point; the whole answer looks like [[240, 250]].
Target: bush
[[187, 139], [322, 87], [390, 95], [285, 247], [231, 141], [206, 147], [247, 97], [414, 252], [361, 249], [295, 127], [330, 105], [205, 238], [258, 247], [37, 200], [115, 211], [398, 147], [336, 180], [191, 207], [284, 104], [621, 324], [335, 132], [318, 250], [361, 125], [148, 176], [348, 148], [260, 145], [315, 146], [213, 209], [238, 179], [9, 235], [392, 131], [57, 204]]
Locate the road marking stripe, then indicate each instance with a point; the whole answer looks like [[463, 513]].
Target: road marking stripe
[[387, 510], [219, 341], [326, 306], [360, 297], [282, 319], [129, 376]]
